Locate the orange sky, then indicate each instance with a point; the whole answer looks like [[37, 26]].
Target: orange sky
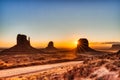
[[58, 44]]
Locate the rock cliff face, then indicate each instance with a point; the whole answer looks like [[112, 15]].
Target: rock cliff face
[[22, 46], [83, 46]]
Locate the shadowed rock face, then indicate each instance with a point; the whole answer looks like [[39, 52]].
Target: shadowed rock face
[[22, 40], [22, 46], [115, 46], [83, 46], [51, 46], [118, 52]]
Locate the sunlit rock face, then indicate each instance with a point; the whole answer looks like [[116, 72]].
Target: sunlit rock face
[[83, 46], [51, 46], [22, 46]]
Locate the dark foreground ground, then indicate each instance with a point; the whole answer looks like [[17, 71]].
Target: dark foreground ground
[[94, 67]]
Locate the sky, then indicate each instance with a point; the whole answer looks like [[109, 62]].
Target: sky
[[60, 21]]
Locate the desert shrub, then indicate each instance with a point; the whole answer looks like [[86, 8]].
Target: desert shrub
[[119, 74], [32, 77], [100, 63], [69, 76], [2, 65], [84, 71], [116, 63], [111, 67], [93, 76], [100, 78]]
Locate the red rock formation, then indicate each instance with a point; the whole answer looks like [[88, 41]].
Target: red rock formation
[[22, 40], [83, 46], [50, 46], [22, 46]]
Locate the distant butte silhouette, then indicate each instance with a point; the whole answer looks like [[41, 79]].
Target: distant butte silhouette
[[22, 46], [51, 46], [22, 40], [115, 46], [83, 46]]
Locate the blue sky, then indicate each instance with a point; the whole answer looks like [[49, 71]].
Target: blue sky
[[60, 21]]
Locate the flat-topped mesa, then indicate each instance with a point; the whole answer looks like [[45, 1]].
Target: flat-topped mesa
[[22, 40], [116, 46], [83, 46], [50, 45]]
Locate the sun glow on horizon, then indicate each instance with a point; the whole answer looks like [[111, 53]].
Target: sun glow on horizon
[[76, 42], [62, 44]]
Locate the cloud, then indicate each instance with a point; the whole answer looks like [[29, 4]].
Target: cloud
[[110, 42]]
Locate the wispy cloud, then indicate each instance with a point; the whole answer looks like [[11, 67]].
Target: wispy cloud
[[110, 42]]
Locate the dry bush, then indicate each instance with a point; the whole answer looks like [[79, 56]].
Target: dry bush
[[117, 63]]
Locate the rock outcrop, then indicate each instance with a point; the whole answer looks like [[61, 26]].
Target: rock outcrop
[[22, 46], [118, 52], [83, 46], [115, 46], [51, 46], [22, 40]]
